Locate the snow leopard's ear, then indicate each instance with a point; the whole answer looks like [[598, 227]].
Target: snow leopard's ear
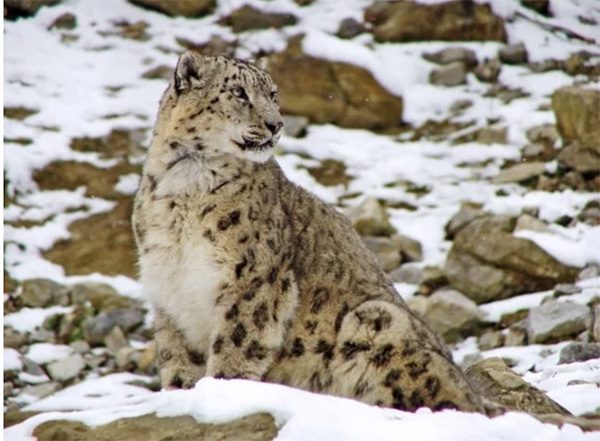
[[186, 72]]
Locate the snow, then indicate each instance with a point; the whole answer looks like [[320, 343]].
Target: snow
[[128, 184], [29, 319], [42, 353], [12, 360], [299, 415]]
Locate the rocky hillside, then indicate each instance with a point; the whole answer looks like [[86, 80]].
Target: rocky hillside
[[462, 138]]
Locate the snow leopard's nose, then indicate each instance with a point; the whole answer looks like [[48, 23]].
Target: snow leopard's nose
[[274, 128]]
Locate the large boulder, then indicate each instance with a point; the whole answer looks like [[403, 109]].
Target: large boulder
[[555, 321], [462, 20], [487, 263], [578, 116], [185, 8], [257, 427], [331, 92], [248, 18]]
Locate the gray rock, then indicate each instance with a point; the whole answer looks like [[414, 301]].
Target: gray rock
[[185, 8], [527, 222], [408, 273], [566, 289], [65, 21], [433, 278], [513, 54], [533, 150], [520, 172], [350, 28], [487, 263], [8, 389], [581, 158], [553, 321], [13, 338], [371, 219], [41, 390], [490, 340], [386, 251], [546, 134], [450, 75], [467, 213], [28, 7], [80, 346], [539, 6], [497, 382], [96, 328], [31, 367], [577, 116], [596, 324], [589, 272], [449, 313], [101, 296], [115, 340], [39, 293], [66, 369], [451, 55], [295, 126], [492, 135], [488, 71], [575, 352], [42, 336], [516, 336], [410, 249]]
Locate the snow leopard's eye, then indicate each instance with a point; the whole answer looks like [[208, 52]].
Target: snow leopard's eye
[[240, 93]]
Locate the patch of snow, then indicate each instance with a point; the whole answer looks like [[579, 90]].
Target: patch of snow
[[42, 353], [12, 360], [29, 319], [128, 184]]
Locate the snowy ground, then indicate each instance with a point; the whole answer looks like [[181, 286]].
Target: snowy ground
[[73, 84]]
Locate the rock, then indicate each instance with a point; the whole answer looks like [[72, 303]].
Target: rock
[[386, 251], [16, 416], [31, 367], [39, 293], [546, 134], [516, 336], [295, 126], [13, 338], [248, 18], [256, 427], [331, 92], [520, 172], [527, 222], [95, 329], [123, 357], [565, 289], [65, 21], [497, 382], [115, 340], [408, 273], [448, 21], [513, 54], [590, 214], [449, 313], [467, 213], [330, 173], [450, 75], [350, 28], [554, 321], [492, 135], [488, 71], [101, 296], [490, 340], [577, 116], [66, 369], [581, 158], [539, 6], [80, 346], [185, 8], [576, 352], [147, 358], [40, 391], [433, 278], [410, 249], [162, 72], [371, 219], [451, 55], [18, 113], [596, 324], [25, 8], [8, 389], [487, 263], [214, 46]]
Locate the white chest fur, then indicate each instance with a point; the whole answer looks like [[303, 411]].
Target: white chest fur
[[182, 279]]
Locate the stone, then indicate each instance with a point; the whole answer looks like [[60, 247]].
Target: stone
[[467, 213], [13, 338], [490, 340], [451, 55], [527, 222], [488, 71], [95, 329], [8, 389], [577, 352], [520, 172], [487, 263], [249, 18], [566, 289], [596, 324], [371, 219], [39, 293], [555, 321], [546, 134], [516, 336], [256, 427], [162, 72], [492, 135], [19, 113], [330, 172], [101, 296], [448, 21], [433, 278], [115, 340], [410, 249], [66, 21], [497, 382], [386, 251], [25, 8], [31, 367], [295, 126], [216, 45], [449, 313], [581, 158], [185, 8], [80, 346], [410, 272], [66, 369], [590, 214], [589, 272], [539, 6], [577, 116], [350, 28], [450, 75], [513, 54], [40, 391], [332, 92]]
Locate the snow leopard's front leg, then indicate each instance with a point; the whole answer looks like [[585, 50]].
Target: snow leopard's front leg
[[254, 316]]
